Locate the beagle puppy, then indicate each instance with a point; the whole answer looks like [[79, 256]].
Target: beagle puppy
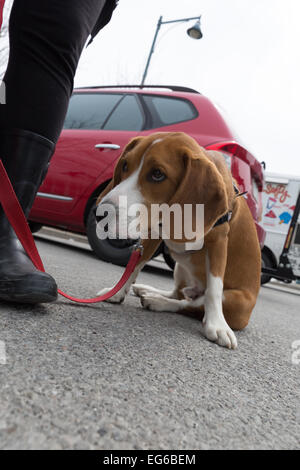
[[220, 280]]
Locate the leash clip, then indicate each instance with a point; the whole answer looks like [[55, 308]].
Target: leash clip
[[139, 247]]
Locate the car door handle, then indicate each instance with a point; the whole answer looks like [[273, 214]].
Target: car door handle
[[107, 146]]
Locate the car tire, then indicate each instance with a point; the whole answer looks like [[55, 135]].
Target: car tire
[[34, 226], [112, 251], [266, 262]]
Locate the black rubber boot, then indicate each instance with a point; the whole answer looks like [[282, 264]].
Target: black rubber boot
[[26, 157]]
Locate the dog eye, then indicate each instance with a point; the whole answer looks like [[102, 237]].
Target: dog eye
[[157, 175], [125, 166]]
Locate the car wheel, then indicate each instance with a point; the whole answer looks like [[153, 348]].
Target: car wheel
[[110, 250], [266, 262], [34, 226]]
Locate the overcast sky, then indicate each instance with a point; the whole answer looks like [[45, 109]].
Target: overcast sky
[[248, 62]]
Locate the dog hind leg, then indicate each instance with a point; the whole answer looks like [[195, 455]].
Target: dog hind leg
[[237, 307]]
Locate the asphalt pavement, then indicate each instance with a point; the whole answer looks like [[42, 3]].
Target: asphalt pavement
[[119, 377]]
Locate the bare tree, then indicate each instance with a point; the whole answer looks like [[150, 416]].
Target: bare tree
[[4, 42]]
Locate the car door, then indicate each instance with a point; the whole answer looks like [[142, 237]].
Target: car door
[[96, 129]]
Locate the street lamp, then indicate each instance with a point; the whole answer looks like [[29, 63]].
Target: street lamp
[[194, 32]]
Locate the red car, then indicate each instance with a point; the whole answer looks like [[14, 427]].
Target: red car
[[99, 123]]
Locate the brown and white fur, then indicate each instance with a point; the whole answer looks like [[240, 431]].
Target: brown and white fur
[[221, 281]]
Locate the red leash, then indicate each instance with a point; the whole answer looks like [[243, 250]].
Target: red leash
[[17, 219], [1, 11]]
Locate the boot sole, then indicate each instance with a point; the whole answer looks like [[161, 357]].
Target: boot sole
[[30, 289]]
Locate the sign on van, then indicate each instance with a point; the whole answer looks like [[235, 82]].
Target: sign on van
[[278, 206]]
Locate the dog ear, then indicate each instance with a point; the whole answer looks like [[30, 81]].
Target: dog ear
[[202, 183], [118, 168], [132, 144]]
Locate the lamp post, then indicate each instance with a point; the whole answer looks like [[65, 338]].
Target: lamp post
[[194, 32]]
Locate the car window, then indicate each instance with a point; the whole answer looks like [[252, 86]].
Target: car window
[[167, 110], [126, 117], [90, 110]]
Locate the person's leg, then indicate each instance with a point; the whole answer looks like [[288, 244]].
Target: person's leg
[[46, 40]]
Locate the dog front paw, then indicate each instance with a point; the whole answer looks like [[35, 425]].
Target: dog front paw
[[159, 303], [118, 298], [140, 289], [219, 332], [153, 302]]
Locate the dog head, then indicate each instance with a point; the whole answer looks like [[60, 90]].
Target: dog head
[[163, 168]]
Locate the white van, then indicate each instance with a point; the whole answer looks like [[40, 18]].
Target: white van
[[279, 199]]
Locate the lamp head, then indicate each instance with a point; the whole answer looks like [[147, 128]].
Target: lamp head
[[195, 32]]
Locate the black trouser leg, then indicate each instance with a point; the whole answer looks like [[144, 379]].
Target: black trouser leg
[[46, 40]]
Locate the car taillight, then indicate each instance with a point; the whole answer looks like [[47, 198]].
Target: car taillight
[[236, 150]]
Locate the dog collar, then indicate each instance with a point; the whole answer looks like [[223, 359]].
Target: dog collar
[[237, 192], [227, 217]]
